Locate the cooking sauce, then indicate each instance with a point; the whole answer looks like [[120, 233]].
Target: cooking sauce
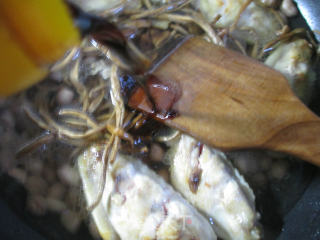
[[155, 98]]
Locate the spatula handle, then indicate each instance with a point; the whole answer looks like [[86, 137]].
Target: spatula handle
[[300, 139]]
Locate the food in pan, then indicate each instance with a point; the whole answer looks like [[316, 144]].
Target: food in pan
[[114, 143]]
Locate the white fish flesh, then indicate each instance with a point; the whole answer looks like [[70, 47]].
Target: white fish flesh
[[140, 205], [261, 21], [101, 6], [209, 182], [293, 59], [90, 169]]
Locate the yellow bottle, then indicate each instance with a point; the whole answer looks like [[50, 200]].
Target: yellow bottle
[[33, 34]]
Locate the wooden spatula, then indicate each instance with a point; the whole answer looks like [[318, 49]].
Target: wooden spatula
[[230, 101]]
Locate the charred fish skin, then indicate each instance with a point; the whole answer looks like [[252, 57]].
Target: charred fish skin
[[139, 204], [221, 193]]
